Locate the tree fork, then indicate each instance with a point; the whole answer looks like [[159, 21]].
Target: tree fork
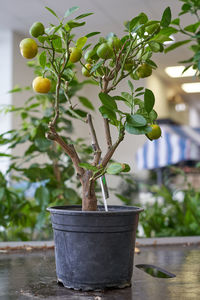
[[89, 200]]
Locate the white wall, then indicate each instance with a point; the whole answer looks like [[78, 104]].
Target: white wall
[[14, 71], [6, 44]]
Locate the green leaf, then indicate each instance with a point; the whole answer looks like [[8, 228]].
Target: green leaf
[[131, 86], [192, 28], [83, 16], [15, 90], [42, 39], [42, 144], [57, 43], [118, 98], [73, 24], [70, 11], [139, 89], [128, 98], [42, 196], [185, 8], [88, 166], [155, 46], [108, 101], [175, 21], [2, 192], [127, 201], [114, 168], [42, 59], [153, 115], [149, 100], [137, 130], [56, 28], [18, 89], [164, 34], [176, 45], [80, 43], [96, 66], [143, 18], [92, 34], [108, 113], [166, 17], [71, 196], [133, 23], [51, 11], [136, 120], [86, 47], [6, 155], [87, 103], [138, 102], [151, 63]]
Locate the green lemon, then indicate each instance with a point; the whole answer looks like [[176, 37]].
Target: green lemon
[[86, 70], [129, 64], [28, 48], [75, 54], [114, 43], [36, 29], [155, 133], [104, 51], [144, 71]]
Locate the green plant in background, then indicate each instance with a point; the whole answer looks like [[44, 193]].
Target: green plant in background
[[191, 32], [175, 212], [107, 62], [42, 168]]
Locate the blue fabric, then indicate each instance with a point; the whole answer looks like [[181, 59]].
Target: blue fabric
[[180, 143]]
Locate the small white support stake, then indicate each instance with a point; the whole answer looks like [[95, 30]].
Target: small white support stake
[[104, 190]]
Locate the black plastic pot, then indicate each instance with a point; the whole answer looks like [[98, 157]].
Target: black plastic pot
[[94, 250]]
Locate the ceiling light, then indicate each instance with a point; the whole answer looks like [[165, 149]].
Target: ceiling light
[[180, 107], [177, 71], [191, 87]]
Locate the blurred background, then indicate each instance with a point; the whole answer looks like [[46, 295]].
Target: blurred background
[[177, 104]]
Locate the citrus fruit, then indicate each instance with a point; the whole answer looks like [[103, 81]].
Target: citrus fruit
[[155, 133], [114, 43], [129, 65], [75, 54], [41, 85], [36, 29], [144, 71], [28, 48], [104, 51], [86, 69]]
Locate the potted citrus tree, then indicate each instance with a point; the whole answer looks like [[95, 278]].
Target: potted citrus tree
[[93, 245]]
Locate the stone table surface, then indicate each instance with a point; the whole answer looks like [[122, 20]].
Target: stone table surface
[[30, 274]]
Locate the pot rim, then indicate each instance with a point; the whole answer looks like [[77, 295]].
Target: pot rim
[[112, 210]]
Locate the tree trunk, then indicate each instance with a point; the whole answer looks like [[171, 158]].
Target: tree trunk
[[89, 200]]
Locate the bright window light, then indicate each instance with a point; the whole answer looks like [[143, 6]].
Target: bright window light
[[176, 71], [191, 87], [180, 107]]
